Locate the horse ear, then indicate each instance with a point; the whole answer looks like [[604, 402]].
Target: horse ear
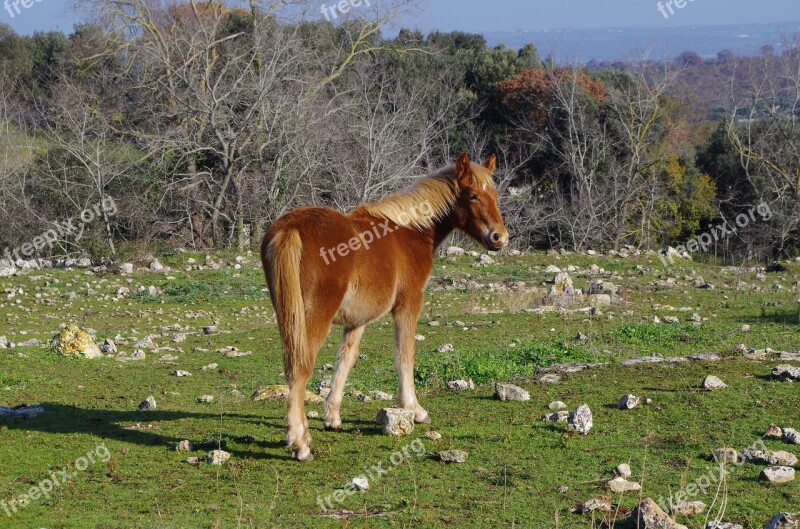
[[490, 163], [464, 170]]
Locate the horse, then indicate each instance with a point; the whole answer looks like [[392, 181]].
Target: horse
[[324, 267]]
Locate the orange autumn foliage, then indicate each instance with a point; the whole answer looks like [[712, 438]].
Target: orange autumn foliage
[[532, 92]]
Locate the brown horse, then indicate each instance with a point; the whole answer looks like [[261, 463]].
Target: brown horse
[[323, 267]]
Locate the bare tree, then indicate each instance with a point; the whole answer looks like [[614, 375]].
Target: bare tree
[[763, 129]]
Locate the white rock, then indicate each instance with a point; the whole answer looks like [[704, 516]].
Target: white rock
[[648, 515], [688, 508], [148, 404], [217, 457], [360, 483], [723, 525], [396, 421], [628, 402], [581, 420], [145, 343], [506, 392], [778, 474], [556, 416], [792, 436], [461, 385], [786, 373], [380, 395], [595, 504], [485, 260], [620, 484], [712, 382], [453, 456]]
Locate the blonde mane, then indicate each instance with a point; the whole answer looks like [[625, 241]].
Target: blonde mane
[[428, 200]]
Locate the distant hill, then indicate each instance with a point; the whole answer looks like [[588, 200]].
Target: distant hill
[[619, 44]]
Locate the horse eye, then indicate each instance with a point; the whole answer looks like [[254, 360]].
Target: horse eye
[[473, 196]]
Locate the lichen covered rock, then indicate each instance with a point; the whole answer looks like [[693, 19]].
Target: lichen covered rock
[[74, 341]]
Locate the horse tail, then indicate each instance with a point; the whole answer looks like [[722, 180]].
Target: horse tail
[[282, 262]]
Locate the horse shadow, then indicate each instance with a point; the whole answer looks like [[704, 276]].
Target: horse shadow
[[132, 427]]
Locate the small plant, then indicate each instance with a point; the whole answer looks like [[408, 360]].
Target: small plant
[[515, 301]]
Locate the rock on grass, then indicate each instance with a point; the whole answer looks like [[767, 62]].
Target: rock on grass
[[784, 520], [786, 373], [623, 470], [581, 420], [628, 402], [648, 515], [453, 456], [148, 404], [595, 504], [620, 484], [778, 474], [712, 382], [218, 457], [792, 436], [433, 435], [396, 421], [506, 392], [688, 508], [74, 341]]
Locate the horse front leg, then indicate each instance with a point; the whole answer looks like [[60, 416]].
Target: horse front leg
[[406, 314]]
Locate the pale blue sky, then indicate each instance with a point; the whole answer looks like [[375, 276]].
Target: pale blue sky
[[507, 15]]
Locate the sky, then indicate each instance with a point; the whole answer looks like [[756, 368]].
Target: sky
[[502, 15], [512, 15]]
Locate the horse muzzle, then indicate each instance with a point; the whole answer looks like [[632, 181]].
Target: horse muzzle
[[496, 240]]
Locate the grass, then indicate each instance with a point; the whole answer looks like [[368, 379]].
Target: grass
[[516, 464]]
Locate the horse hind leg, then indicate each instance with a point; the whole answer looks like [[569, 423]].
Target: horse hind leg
[[345, 360], [298, 436]]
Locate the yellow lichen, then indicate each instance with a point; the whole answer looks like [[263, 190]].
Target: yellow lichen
[[74, 341]]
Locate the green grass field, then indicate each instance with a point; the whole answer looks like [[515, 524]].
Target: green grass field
[[521, 472]]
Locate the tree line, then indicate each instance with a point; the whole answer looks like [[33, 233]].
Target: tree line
[[204, 122]]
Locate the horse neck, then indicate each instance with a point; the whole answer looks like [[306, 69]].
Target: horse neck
[[441, 230]]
